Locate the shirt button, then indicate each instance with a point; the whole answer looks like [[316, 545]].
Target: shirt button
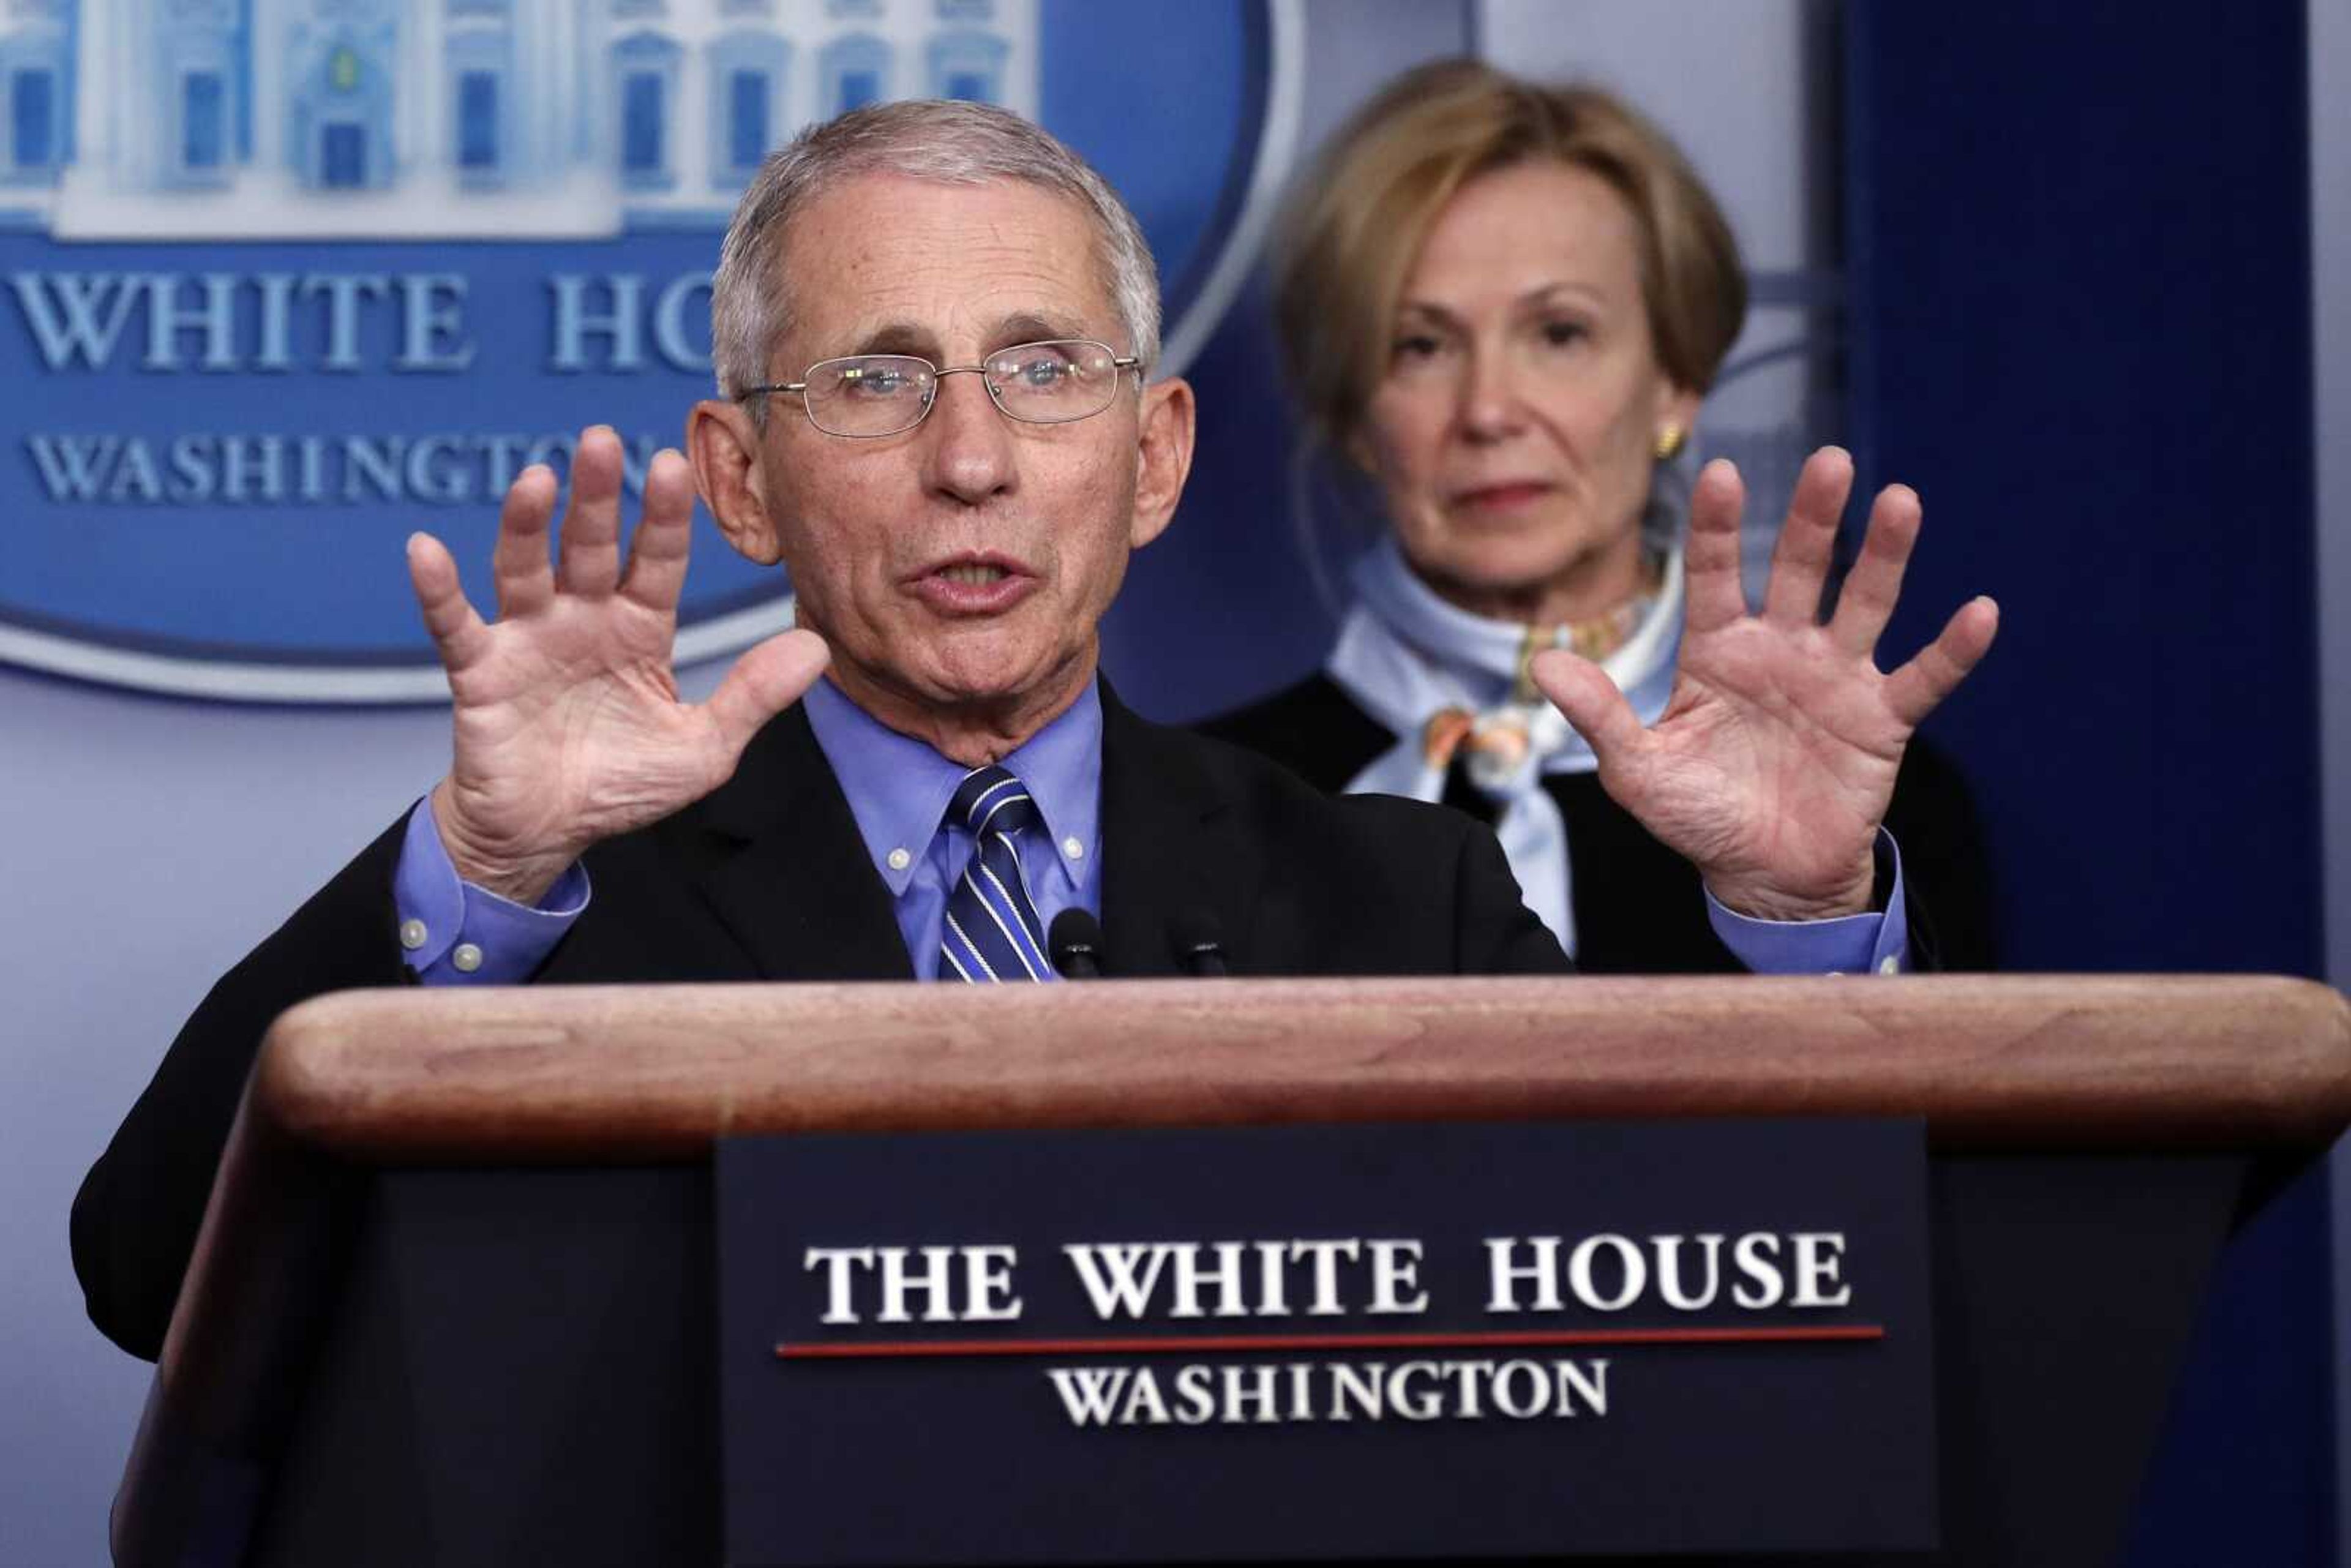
[[467, 957], [1886, 965], [1071, 848], [900, 860], [411, 935]]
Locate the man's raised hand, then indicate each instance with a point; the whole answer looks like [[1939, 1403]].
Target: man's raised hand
[[1772, 764], [567, 728]]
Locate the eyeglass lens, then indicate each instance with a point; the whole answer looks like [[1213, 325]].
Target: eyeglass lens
[[1038, 383]]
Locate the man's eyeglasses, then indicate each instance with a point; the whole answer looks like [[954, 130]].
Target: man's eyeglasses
[[869, 395]]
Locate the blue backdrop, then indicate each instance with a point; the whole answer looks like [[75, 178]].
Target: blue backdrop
[[2079, 247]]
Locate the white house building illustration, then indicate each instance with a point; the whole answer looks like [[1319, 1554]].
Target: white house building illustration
[[429, 119]]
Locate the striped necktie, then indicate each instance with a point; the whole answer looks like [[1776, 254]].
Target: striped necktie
[[992, 929]]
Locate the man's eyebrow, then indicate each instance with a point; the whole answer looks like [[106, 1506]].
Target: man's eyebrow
[[898, 338], [1021, 327], [1026, 327]]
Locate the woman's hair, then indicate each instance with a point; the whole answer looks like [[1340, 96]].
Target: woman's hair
[[1356, 220]]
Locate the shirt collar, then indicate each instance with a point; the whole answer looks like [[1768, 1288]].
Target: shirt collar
[[898, 787]]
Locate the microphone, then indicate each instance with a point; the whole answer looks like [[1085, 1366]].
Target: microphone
[[1076, 940], [1199, 950]]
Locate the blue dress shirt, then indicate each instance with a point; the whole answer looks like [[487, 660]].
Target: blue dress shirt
[[898, 787], [1876, 942]]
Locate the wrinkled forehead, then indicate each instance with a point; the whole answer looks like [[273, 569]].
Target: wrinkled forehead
[[889, 264]]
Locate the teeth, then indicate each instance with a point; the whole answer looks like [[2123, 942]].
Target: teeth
[[978, 576]]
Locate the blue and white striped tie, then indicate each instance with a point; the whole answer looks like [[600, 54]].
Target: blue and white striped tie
[[992, 929]]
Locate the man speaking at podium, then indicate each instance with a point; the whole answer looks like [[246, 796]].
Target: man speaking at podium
[[933, 328]]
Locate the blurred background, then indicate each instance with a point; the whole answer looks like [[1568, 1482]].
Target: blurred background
[[287, 280]]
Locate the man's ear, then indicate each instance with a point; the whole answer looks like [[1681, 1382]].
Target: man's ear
[[1163, 457], [723, 446]]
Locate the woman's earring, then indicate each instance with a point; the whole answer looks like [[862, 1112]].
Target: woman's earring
[[1669, 441]]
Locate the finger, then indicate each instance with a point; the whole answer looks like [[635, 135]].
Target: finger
[[1590, 701], [657, 552], [764, 683], [458, 634], [1710, 591], [1871, 590], [518, 567], [1914, 690], [591, 547], [1800, 561]]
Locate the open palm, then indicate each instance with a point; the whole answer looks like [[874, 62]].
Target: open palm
[[568, 727], [1772, 764]]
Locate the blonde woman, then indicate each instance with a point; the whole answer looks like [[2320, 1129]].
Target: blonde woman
[[1500, 306]]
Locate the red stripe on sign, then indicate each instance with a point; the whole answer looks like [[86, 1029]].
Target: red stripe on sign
[[1228, 1342]]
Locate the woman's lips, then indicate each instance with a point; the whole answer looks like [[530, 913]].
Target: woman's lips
[[966, 587], [1502, 497]]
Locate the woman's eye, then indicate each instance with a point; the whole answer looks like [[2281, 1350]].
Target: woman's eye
[[1417, 346], [1559, 334]]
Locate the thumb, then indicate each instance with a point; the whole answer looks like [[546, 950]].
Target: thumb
[[765, 681], [1590, 701]]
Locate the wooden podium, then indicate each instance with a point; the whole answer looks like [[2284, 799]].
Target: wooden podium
[[454, 1300]]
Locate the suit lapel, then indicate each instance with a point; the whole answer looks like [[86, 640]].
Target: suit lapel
[[1171, 847], [784, 867]]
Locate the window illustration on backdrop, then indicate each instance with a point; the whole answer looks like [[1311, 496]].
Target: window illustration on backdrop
[[645, 75], [478, 61], [749, 112], [36, 94], [345, 64], [966, 64], [290, 119], [855, 72]]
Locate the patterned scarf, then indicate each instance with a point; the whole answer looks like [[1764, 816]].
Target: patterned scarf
[[1448, 683]]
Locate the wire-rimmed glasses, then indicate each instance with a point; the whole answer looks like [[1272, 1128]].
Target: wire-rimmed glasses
[[865, 396]]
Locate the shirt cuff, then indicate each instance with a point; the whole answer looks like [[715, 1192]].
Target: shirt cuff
[[1871, 944], [453, 933]]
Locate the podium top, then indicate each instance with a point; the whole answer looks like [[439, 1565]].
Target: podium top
[[2157, 1062]]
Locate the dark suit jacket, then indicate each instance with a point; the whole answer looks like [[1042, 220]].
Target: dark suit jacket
[[767, 879], [1639, 907]]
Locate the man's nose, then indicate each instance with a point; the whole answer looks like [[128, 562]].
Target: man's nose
[[969, 451]]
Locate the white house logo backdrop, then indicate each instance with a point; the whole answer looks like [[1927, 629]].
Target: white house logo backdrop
[[286, 280]]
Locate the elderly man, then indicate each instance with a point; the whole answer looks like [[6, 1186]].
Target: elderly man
[[934, 325]]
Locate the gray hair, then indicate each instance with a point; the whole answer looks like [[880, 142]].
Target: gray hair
[[950, 143]]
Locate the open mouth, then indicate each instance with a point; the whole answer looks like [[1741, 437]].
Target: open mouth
[[966, 587]]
